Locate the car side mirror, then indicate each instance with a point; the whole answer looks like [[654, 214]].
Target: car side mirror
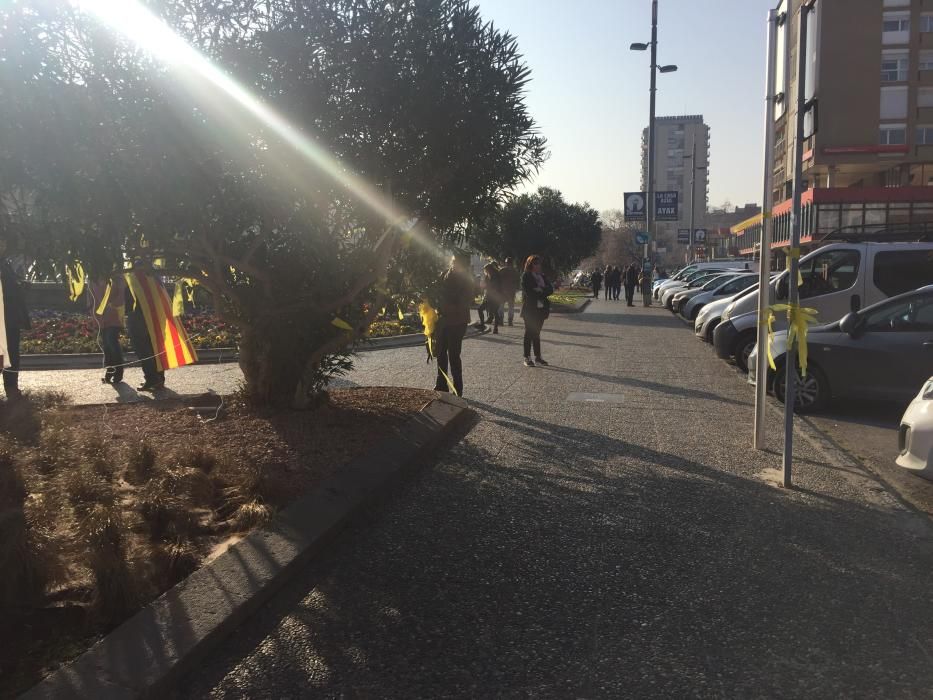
[[850, 324]]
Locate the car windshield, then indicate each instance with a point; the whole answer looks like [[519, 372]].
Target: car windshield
[[716, 282]]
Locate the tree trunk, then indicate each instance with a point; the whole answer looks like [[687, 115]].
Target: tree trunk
[[274, 362]]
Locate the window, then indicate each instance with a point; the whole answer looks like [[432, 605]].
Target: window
[[900, 271], [833, 271], [737, 285], [894, 102], [895, 28], [894, 67], [895, 24], [926, 61], [926, 23], [924, 135], [925, 97], [911, 315], [892, 135]]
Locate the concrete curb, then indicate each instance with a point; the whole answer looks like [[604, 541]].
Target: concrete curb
[[575, 309], [145, 655]]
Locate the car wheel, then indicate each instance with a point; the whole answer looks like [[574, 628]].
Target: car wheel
[[710, 329], [695, 311], [743, 348], [812, 391]]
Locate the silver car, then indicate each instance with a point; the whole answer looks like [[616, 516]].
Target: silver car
[[726, 287], [884, 351]]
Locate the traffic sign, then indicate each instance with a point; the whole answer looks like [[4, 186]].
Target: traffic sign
[[699, 235], [683, 235], [642, 237], [635, 206]]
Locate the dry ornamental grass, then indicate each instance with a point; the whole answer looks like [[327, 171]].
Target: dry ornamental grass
[[104, 508]]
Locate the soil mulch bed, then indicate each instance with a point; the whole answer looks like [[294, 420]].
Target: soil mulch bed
[[102, 509]]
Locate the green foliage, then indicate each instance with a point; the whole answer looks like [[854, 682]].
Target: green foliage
[[543, 223], [108, 153]]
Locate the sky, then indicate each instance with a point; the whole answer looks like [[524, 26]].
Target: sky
[[589, 92]]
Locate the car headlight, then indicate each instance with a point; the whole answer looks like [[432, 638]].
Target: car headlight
[[927, 392]]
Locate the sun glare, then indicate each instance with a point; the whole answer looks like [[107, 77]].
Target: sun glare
[[138, 24]]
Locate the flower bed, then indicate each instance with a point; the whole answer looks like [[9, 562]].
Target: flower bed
[[62, 332]]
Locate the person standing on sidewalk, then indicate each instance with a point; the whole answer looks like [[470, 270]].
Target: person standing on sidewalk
[[607, 282], [15, 320], [535, 308], [616, 283], [454, 299], [645, 282], [596, 280], [508, 283], [631, 281], [107, 307]]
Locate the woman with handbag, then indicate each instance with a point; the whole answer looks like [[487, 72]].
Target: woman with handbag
[[535, 308]]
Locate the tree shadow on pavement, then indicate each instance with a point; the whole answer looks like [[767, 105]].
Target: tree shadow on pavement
[[550, 561]]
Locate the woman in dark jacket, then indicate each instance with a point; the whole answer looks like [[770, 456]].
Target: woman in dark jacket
[[535, 308]]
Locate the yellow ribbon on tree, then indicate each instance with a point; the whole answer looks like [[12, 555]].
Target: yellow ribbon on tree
[[799, 320], [183, 285]]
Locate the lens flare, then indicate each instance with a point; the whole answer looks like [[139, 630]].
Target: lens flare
[[138, 24]]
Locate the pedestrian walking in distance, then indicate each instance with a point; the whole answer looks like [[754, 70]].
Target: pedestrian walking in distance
[[607, 281], [508, 283], [596, 280], [455, 292], [535, 308], [631, 281], [108, 310], [645, 282], [492, 299], [616, 282]]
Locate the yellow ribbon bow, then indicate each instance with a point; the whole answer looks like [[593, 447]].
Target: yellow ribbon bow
[[799, 320]]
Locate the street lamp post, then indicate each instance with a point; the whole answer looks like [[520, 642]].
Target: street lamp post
[[655, 69], [693, 195]]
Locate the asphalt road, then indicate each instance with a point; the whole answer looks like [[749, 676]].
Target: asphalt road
[[634, 546]]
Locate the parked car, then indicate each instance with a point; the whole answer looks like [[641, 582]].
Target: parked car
[[688, 305], [685, 273], [729, 291], [667, 295], [692, 290], [915, 438], [882, 352], [710, 315], [837, 278]]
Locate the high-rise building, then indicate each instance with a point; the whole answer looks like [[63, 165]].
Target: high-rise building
[[675, 138], [868, 149]]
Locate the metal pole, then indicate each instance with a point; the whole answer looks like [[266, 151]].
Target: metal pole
[[793, 293], [764, 270], [693, 193], [649, 195]]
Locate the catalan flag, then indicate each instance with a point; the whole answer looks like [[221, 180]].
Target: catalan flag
[[170, 343]]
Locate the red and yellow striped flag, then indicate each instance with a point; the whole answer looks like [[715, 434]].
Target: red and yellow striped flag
[[170, 342]]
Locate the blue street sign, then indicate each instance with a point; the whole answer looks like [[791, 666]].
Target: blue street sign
[[642, 237]]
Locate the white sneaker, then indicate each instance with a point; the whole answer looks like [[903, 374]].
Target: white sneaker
[[529, 362]]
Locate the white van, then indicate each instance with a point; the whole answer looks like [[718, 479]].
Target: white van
[[837, 278]]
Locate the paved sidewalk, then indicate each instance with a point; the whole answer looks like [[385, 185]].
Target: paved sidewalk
[[575, 549]]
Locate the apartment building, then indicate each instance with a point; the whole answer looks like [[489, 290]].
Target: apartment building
[[675, 138], [868, 153]]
